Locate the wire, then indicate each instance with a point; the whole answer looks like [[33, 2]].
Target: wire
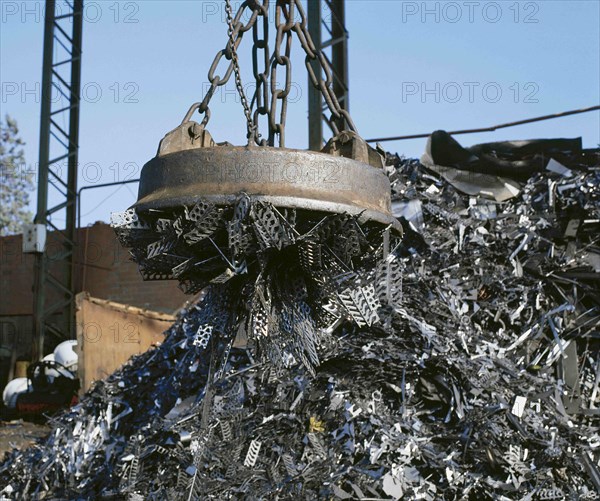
[[102, 201], [490, 129], [129, 190], [101, 185]]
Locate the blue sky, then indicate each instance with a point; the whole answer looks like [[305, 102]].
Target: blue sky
[[414, 67]]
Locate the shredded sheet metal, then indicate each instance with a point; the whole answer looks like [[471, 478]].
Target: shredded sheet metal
[[329, 360]]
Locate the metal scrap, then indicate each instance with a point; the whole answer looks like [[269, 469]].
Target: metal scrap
[[461, 362]]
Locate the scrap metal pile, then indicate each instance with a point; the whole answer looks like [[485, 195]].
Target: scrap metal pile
[[331, 359]]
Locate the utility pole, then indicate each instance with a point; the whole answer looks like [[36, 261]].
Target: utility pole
[[54, 309]]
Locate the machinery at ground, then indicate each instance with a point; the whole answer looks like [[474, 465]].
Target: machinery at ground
[[52, 387], [51, 384]]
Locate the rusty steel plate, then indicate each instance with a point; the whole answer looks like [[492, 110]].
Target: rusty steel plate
[[284, 177]]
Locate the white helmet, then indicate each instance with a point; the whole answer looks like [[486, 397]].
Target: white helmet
[[65, 355], [52, 373], [13, 389]]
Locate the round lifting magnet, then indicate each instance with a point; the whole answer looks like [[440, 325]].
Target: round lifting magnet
[[190, 167]]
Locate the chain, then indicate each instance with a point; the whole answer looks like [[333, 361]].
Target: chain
[[261, 48], [235, 38], [232, 54], [284, 29], [315, 61], [321, 63]]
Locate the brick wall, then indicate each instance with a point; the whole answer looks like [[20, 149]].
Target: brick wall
[[103, 269]]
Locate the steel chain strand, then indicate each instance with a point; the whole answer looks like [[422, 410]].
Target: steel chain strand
[[285, 9], [216, 80], [324, 86], [279, 27], [326, 89], [261, 93], [232, 53]]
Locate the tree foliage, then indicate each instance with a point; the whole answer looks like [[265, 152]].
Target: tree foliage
[[16, 181]]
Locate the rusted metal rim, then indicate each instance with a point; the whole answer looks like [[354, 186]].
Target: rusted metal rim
[[284, 177]]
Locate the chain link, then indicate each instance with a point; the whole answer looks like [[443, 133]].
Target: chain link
[[232, 53], [260, 52], [284, 28], [286, 25], [236, 32], [325, 86]]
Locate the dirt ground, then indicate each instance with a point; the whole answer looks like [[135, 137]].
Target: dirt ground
[[19, 434]]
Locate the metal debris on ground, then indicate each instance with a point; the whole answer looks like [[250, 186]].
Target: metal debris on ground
[[331, 359]]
